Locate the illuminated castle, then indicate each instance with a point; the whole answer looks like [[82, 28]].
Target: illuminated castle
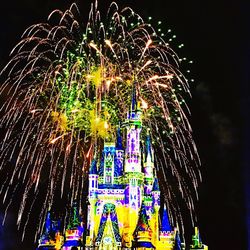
[[123, 201]]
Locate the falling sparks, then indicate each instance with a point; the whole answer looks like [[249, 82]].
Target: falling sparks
[[67, 92]]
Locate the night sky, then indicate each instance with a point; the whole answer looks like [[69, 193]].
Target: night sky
[[216, 38]]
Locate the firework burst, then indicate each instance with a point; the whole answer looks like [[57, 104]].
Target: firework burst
[[67, 90]]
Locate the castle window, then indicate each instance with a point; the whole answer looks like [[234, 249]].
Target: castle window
[[108, 179]]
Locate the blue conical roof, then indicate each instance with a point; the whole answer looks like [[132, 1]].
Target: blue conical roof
[[119, 139], [143, 224], [165, 224], [48, 223], [93, 167], [177, 245], [134, 98], [148, 147], [156, 185]]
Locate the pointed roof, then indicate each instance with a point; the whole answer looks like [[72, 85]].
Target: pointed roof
[[46, 236], [142, 228], [93, 167], [177, 245], [143, 224], [48, 224], [109, 220], [51, 227], [101, 166], [119, 139], [74, 218], [148, 145], [134, 98], [165, 224], [156, 185], [196, 238]]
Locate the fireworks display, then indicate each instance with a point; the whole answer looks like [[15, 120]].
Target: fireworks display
[[69, 86]]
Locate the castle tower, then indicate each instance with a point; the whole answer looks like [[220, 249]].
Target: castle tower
[[46, 237], [178, 244], [196, 241], [92, 197], [119, 156], [109, 163], [156, 208], [133, 125], [134, 176], [148, 170], [51, 237], [167, 235], [143, 232], [74, 231], [148, 165], [165, 224]]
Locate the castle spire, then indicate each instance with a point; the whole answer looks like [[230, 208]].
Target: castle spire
[[93, 178], [74, 231], [119, 154], [134, 98], [74, 218], [93, 167], [133, 147], [165, 224], [177, 245], [148, 164], [51, 238], [156, 187], [46, 236], [143, 232], [119, 139], [149, 150], [109, 163], [48, 224], [196, 241]]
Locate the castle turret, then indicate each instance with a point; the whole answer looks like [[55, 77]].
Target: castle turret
[[156, 208], [156, 194], [74, 231], [148, 166], [133, 125], [167, 235], [45, 239], [165, 224], [134, 176], [196, 241], [109, 163], [149, 157], [119, 154], [93, 179], [177, 244], [92, 198], [143, 232], [51, 237]]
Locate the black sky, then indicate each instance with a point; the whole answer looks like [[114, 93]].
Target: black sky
[[216, 38]]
